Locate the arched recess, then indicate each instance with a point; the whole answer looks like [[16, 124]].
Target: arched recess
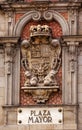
[[35, 15]]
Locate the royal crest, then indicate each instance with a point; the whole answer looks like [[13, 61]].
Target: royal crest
[[40, 58]]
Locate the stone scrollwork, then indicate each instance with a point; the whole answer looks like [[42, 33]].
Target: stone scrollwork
[[36, 16], [48, 15], [41, 61], [41, 15]]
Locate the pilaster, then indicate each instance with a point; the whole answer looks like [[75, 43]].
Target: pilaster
[[11, 53], [72, 72], [8, 73], [69, 66], [73, 21]]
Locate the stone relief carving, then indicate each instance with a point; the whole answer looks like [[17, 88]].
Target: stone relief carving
[[47, 15], [41, 61], [8, 57], [72, 54]]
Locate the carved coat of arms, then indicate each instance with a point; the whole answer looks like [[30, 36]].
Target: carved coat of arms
[[41, 60]]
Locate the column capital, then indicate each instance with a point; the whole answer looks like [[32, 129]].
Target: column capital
[[73, 40], [72, 43], [72, 46], [9, 40], [9, 49]]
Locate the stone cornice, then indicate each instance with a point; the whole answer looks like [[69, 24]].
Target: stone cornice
[[11, 40], [19, 6], [42, 105], [71, 38]]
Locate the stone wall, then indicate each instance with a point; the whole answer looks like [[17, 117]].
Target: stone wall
[[68, 123], [65, 22], [2, 84], [80, 88], [3, 24], [80, 23]]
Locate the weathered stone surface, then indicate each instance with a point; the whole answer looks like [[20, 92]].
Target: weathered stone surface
[[1, 116], [79, 88], [79, 60], [79, 79], [2, 71], [2, 81], [2, 101], [2, 62], [2, 91], [70, 75], [41, 127], [70, 126], [80, 97], [69, 112], [80, 84], [80, 23], [12, 117], [80, 117], [9, 127]]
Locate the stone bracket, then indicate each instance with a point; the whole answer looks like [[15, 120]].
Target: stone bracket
[[41, 95]]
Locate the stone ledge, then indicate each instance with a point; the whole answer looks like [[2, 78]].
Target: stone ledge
[[42, 105], [40, 127], [72, 38], [12, 40], [41, 93]]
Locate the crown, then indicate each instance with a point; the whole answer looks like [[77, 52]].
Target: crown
[[38, 30]]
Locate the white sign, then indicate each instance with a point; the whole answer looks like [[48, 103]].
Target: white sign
[[40, 115]]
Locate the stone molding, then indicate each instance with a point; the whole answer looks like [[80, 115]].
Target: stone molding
[[36, 16], [71, 38], [11, 40], [11, 6]]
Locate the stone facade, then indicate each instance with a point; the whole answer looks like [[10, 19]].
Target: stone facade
[[65, 21]]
